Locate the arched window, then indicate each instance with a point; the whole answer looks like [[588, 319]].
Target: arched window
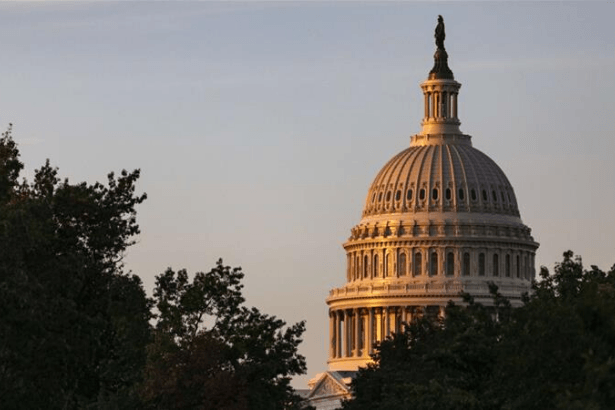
[[418, 262], [448, 194], [461, 195], [422, 194], [518, 268], [496, 264], [398, 195], [357, 272], [434, 194], [466, 264], [481, 264], [365, 266], [401, 264], [386, 265], [473, 194], [433, 264], [375, 269], [484, 195], [508, 266], [526, 267], [409, 195], [450, 264]]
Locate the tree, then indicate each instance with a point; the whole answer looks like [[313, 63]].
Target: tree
[[557, 351], [73, 324], [211, 352]]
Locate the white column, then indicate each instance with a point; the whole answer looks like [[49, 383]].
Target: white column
[[379, 325], [332, 337], [357, 340], [387, 322], [339, 332], [369, 340]]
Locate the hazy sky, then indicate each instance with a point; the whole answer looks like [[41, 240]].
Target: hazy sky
[[259, 127]]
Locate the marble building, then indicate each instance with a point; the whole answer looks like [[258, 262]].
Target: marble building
[[439, 218]]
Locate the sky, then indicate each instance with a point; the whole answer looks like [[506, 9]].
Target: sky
[[258, 127]]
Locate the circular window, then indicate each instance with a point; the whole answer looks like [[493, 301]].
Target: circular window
[[398, 195], [461, 194], [448, 194], [422, 194]]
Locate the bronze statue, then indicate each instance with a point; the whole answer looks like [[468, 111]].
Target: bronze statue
[[440, 35]]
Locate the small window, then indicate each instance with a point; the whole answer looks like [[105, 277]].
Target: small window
[[434, 194], [450, 264], [484, 195], [473, 194], [448, 194], [409, 195], [518, 268], [365, 266], [433, 264], [495, 196], [386, 266], [508, 266], [398, 195], [466, 264], [401, 264], [496, 265], [502, 195], [388, 196], [422, 194], [375, 267], [509, 200], [380, 197], [461, 194], [481, 264], [418, 262], [374, 198]]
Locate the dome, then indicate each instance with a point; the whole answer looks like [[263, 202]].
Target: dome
[[440, 218], [450, 176]]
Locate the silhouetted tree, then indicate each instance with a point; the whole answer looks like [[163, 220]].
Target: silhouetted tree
[[73, 325], [211, 352]]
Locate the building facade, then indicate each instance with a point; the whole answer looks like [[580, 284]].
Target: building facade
[[440, 218]]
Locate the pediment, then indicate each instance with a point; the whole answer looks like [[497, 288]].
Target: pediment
[[328, 386]]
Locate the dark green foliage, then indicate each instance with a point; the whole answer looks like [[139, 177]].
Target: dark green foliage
[[555, 352], [73, 326], [211, 352]]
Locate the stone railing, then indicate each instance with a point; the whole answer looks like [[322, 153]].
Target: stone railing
[[423, 289]]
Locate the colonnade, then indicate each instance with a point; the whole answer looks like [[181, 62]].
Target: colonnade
[[354, 332], [440, 104]]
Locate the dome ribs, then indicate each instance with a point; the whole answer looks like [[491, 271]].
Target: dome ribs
[[452, 180], [466, 199]]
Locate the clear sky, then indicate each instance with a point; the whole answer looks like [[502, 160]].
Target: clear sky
[[259, 127]]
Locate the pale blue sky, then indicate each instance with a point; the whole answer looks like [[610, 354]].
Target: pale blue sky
[[259, 127]]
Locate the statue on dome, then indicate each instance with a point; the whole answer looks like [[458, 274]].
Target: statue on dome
[[440, 35]]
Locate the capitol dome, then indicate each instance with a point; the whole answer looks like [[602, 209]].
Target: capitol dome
[[440, 218]]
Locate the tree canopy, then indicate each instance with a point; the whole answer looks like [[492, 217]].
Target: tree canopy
[[211, 352], [557, 351], [73, 324], [78, 332]]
